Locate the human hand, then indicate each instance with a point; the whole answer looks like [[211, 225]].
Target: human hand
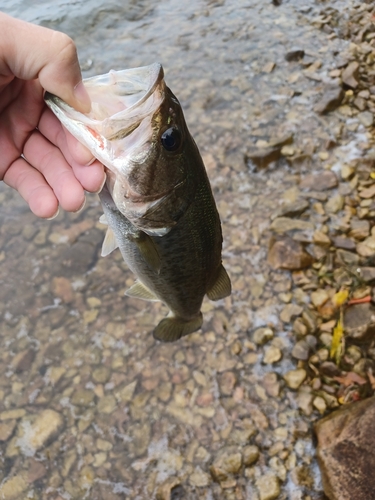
[[53, 169]]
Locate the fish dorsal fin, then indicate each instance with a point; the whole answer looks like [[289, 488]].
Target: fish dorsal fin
[[103, 219], [222, 286], [109, 243], [140, 291], [148, 250]]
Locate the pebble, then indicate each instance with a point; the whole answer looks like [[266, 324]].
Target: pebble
[[294, 378], [228, 461], [319, 297], [199, 478], [289, 312], [350, 75], [268, 487], [366, 118], [272, 355], [35, 432], [263, 335], [285, 253], [332, 98], [319, 182], [250, 455]]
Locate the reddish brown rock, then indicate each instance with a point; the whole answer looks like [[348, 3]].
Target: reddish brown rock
[[285, 253], [346, 443]]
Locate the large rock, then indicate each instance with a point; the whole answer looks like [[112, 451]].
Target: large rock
[[346, 443], [285, 253], [359, 321]]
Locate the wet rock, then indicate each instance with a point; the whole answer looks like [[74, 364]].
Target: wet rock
[[6, 429], [319, 297], [250, 455], [285, 253], [272, 354], [101, 375], [366, 118], [359, 229], [227, 462], [301, 350], [293, 209], [294, 54], [13, 488], [227, 381], [62, 288], [261, 157], [319, 182], [346, 440], [342, 242], [262, 335], [359, 321], [285, 224], [350, 75], [289, 312], [35, 432], [199, 478], [22, 361], [330, 100], [83, 397], [335, 204], [268, 487], [107, 404], [367, 274], [294, 378], [36, 471]]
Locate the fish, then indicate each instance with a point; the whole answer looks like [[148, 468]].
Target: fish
[[157, 199]]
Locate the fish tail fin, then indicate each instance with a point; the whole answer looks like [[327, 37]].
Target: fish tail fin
[[173, 328]]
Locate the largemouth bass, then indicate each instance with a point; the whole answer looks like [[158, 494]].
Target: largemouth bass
[[157, 199]]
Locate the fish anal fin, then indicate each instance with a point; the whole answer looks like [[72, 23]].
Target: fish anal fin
[[109, 243], [140, 291], [173, 328], [222, 286], [148, 250]]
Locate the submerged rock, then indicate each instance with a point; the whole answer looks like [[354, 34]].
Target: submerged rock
[[346, 441], [359, 321], [331, 99], [285, 253]]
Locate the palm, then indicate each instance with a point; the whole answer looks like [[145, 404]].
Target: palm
[[52, 168]]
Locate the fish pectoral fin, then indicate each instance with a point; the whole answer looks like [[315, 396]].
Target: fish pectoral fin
[[109, 243], [173, 328], [140, 291], [103, 219], [148, 250], [222, 286]]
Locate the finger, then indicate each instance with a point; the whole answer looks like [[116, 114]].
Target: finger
[[33, 188], [53, 59], [88, 171], [48, 159]]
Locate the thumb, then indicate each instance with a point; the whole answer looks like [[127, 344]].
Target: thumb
[[34, 52]]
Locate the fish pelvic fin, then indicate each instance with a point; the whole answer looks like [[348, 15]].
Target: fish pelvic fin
[[173, 328], [148, 250], [222, 286], [140, 291], [109, 243]]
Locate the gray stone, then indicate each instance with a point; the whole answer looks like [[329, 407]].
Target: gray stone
[[319, 182], [285, 253], [350, 75], [330, 100], [359, 321]]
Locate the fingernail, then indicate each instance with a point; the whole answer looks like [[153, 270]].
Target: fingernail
[[101, 186], [54, 215], [80, 93], [81, 207]]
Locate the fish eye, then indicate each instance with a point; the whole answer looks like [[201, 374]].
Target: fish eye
[[171, 139]]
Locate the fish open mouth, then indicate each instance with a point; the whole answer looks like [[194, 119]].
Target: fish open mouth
[[121, 103]]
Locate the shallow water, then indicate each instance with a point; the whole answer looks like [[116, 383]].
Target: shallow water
[[130, 414]]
